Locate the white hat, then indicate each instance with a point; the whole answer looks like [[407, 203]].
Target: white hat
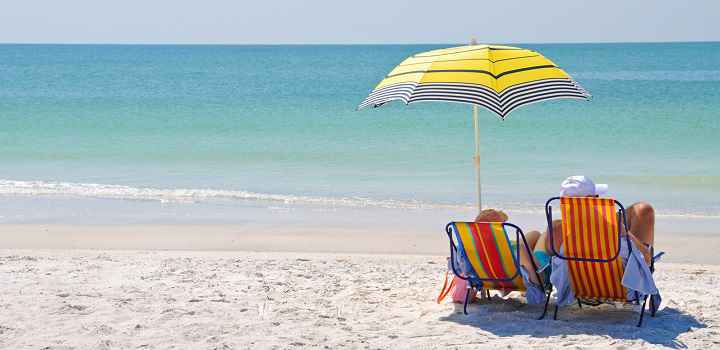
[[581, 186]]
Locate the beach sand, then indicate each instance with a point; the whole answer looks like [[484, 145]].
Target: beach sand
[[685, 247], [80, 287], [65, 299]]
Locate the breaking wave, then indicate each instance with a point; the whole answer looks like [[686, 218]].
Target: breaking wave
[[190, 195], [185, 195]]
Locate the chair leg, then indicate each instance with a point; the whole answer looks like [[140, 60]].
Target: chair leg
[[642, 311], [579, 303], [652, 307], [487, 293], [467, 298], [547, 301], [555, 314]]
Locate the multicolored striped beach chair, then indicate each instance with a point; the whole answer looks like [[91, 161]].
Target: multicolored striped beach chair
[[482, 254], [591, 240]]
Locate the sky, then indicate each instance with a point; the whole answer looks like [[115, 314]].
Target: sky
[[366, 21]]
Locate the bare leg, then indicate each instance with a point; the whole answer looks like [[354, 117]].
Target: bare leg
[[641, 221], [544, 243], [526, 259]]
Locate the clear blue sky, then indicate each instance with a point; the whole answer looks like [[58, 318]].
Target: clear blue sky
[[366, 21]]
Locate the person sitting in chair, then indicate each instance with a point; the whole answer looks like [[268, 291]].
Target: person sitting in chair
[[540, 258], [640, 219], [535, 290]]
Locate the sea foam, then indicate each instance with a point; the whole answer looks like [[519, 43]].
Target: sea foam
[[197, 195], [188, 195]]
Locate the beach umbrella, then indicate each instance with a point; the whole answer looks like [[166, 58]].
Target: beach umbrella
[[497, 78]]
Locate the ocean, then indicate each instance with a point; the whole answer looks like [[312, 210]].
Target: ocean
[[172, 133]]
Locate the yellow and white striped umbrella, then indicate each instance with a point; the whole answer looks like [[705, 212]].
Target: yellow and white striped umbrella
[[499, 78]]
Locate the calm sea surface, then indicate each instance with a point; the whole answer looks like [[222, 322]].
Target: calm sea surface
[[277, 126]]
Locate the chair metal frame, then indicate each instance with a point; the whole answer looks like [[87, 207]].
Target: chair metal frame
[[621, 215], [476, 282]]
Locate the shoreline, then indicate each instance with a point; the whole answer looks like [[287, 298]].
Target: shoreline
[[685, 248]]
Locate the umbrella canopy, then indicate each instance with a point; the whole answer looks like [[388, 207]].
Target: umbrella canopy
[[499, 78]]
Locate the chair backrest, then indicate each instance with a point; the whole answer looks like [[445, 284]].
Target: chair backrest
[[591, 241], [485, 250]]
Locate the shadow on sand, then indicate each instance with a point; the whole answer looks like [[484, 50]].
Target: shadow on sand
[[512, 317]]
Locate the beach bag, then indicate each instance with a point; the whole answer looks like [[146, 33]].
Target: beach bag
[[457, 286], [460, 291], [446, 288]]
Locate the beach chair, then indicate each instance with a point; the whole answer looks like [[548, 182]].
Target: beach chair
[[482, 254], [591, 241]]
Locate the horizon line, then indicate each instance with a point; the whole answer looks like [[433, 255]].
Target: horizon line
[[348, 44]]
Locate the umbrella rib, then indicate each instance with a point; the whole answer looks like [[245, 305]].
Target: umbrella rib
[[480, 71]]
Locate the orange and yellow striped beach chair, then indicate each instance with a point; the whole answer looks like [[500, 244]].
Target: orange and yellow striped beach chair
[[591, 240], [483, 254]]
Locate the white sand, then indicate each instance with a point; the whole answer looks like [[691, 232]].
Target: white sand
[[85, 299], [696, 248]]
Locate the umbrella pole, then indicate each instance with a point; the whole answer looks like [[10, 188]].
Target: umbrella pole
[[477, 157]]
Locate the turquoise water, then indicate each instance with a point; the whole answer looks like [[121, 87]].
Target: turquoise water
[[277, 125]]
